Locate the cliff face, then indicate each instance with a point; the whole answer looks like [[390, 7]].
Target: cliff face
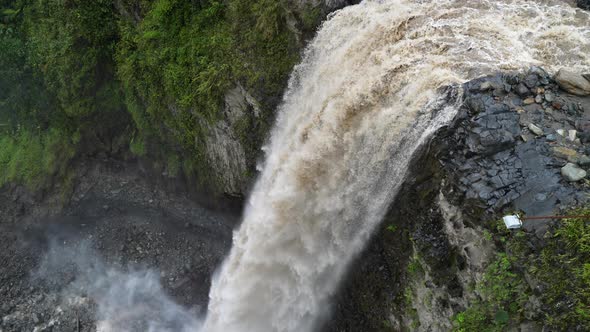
[[441, 249], [211, 111], [226, 146], [233, 142]]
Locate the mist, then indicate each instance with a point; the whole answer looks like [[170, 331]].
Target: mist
[[126, 298]]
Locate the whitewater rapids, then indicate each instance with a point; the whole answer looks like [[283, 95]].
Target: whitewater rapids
[[368, 93]]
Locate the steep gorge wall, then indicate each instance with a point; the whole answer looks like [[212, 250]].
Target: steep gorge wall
[[441, 235], [188, 88], [217, 147]]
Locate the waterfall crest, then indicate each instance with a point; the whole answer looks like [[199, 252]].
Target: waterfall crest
[[379, 78]]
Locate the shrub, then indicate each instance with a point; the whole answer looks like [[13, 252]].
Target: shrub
[[33, 159]]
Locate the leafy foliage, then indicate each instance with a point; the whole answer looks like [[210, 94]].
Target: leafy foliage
[[81, 66], [564, 267], [177, 63], [504, 296], [561, 266], [33, 159], [71, 45], [56, 82], [23, 99]]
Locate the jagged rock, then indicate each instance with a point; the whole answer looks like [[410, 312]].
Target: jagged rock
[[564, 153], [531, 80], [485, 170], [573, 83], [584, 160], [572, 172], [522, 90], [225, 151], [529, 101], [529, 327], [535, 129], [549, 97], [571, 135], [485, 86]]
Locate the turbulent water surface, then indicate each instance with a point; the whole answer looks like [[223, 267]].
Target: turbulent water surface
[[366, 95]]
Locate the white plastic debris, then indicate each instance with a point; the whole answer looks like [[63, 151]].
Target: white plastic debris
[[512, 222]]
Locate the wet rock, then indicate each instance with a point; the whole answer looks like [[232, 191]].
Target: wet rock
[[572, 82], [535, 129], [572, 172], [539, 99], [487, 167], [584, 4], [532, 309], [529, 101], [571, 135], [522, 90], [529, 327], [564, 153], [549, 97], [224, 150], [485, 86], [531, 81], [584, 160]]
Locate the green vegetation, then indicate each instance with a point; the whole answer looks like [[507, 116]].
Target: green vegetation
[[564, 266], [410, 310], [561, 267], [504, 296], [71, 45], [155, 68], [33, 159], [58, 85], [415, 267], [392, 228], [178, 62]]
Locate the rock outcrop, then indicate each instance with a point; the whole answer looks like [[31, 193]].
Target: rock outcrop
[[504, 153], [511, 153], [225, 144], [572, 82]]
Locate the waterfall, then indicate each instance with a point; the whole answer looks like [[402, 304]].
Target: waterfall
[[375, 83]]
